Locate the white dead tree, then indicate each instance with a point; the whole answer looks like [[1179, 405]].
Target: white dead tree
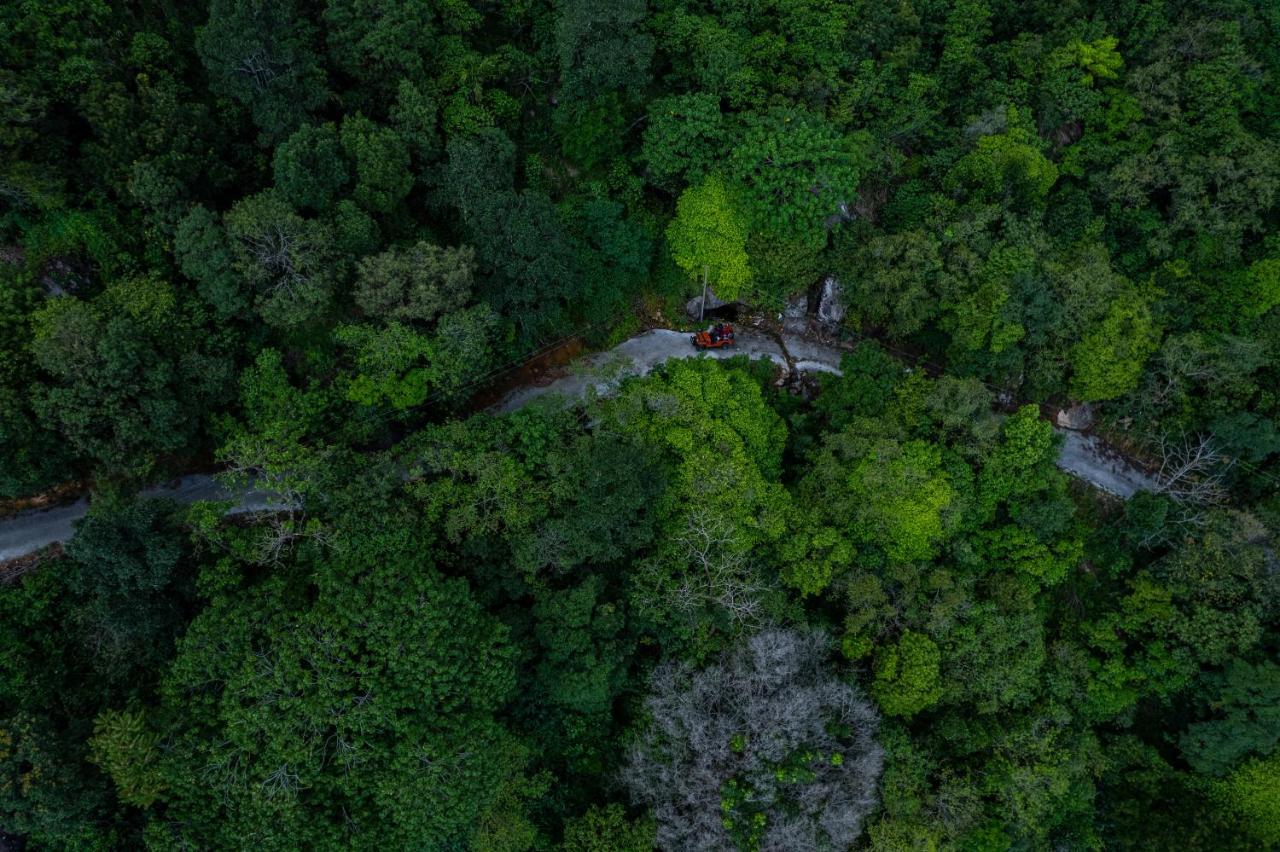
[[280, 250], [1192, 472], [768, 740], [707, 568], [260, 68], [719, 573]]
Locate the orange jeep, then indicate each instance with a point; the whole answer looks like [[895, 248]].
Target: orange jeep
[[716, 337]]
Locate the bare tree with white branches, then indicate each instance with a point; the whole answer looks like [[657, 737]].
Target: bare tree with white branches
[[1192, 472], [251, 468], [715, 573], [768, 741]]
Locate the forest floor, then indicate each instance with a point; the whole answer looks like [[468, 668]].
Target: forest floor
[[1084, 456]]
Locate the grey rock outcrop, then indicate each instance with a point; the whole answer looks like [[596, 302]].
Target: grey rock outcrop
[[831, 305], [1077, 417], [694, 305], [795, 315]]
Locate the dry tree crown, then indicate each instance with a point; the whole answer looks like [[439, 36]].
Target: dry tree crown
[[766, 749]]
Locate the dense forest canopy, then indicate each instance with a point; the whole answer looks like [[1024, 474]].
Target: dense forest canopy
[[295, 239]]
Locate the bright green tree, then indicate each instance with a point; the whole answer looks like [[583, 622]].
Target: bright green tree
[[906, 676], [1099, 58], [1005, 167], [129, 753], [1252, 796], [708, 237], [896, 496], [607, 829], [388, 364], [1108, 362]]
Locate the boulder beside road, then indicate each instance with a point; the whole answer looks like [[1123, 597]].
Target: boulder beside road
[[1077, 417]]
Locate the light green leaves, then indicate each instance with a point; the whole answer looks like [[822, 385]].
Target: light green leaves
[[1005, 167], [1099, 59], [709, 233], [907, 675], [127, 751], [1109, 361]]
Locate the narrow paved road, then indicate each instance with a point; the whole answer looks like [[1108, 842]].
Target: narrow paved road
[[1087, 457], [1083, 456], [27, 532]]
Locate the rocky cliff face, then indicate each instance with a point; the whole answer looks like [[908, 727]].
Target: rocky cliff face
[[831, 304]]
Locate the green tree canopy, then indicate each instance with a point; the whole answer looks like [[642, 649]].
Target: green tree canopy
[[709, 235], [365, 717]]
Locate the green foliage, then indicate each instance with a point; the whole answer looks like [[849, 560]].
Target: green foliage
[[1099, 59], [1244, 713], [128, 752], [383, 46], [722, 448], [907, 679], [402, 672], [591, 131], [462, 350], [44, 792], [796, 170], [683, 138], [1252, 796], [1264, 287], [781, 268], [309, 168], [129, 374], [30, 456], [263, 54], [602, 46], [904, 498], [1022, 463], [204, 255], [1109, 361], [362, 212], [708, 236], [891, 278], [607, 829], [387, 364], [419, 282], [286, 261], [1005, 167], [381, 164], [895, 496], [128, 568]]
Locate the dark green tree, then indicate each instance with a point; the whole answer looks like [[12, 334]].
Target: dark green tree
[[264, 55]]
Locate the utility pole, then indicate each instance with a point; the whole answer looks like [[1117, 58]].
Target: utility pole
[[702, 306]]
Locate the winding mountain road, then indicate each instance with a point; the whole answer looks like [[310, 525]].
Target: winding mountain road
[[600, 373]]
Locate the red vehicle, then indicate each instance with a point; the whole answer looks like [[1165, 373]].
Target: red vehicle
[[717, 337]]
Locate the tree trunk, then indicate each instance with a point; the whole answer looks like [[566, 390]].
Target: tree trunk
[[702, 306]]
